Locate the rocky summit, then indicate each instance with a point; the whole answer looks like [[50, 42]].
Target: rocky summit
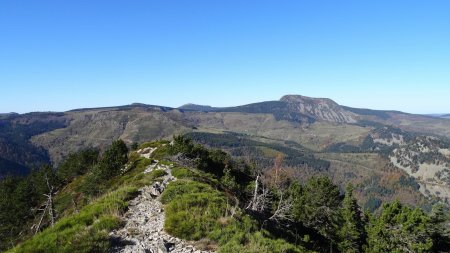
[[319, 108]]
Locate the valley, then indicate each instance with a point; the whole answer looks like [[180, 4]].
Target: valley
[[317, 137]]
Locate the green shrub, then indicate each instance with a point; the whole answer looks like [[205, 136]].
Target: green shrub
[[133, 157], [245, 236], [114, 158], [193, 216], [91, 185], [399, 229], [179, 173], [142, 163], [260, 242], [158, 173], [234, 231], [107, 223], [77, 164], [153, 144], [193, 209], [181, 187], [161, 152], [86, 231]]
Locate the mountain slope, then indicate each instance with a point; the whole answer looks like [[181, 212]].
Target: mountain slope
[[296, 126], [213, 203], [319, 108], [16, 150], [428, 160], [194, 107], [8, 168], [97, 128]]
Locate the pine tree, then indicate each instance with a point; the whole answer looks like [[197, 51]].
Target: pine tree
[[352, 227], [318, 205], [114, 158], [399, 229], [77, 164], [440, 228]]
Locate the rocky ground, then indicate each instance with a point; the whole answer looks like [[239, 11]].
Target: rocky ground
[[144, 223]]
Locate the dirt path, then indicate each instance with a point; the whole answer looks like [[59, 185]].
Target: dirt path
[[144, 223]]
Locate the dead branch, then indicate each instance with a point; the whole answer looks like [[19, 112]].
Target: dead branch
[[283, 211], [49, 208], [183, 161], [260, 197]]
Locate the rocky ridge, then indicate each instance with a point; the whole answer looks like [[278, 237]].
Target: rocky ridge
[[319, 108], [144, 222]]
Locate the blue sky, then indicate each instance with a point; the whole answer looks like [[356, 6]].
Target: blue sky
[[61, 55]]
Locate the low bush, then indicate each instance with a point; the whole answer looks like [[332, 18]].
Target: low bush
[[180, 173], [245, 236], [193, 209], [153, 144], [182, 187], [158, 173], [86, 231], [193, 216]]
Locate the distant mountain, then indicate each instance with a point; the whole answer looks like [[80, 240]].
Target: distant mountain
[[29, 133], [194, 107], [292, 108], [316, 135], [17, 154], [439, 115], [6, 115], [279, 109], [124, 108], [320, 108]]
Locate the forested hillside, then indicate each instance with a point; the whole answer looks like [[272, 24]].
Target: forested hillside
[[316, 136], [216, 202], [17, 154]]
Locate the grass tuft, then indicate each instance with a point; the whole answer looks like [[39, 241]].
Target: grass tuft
[[86, 231]]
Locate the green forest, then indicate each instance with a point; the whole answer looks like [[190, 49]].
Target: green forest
[[232, 205]]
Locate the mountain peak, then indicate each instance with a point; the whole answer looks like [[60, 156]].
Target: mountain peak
[[319, 108], [195, 107], [305, 99]]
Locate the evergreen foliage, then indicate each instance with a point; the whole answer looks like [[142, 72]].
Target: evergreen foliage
[[86, 231], [209, 201], [440, 228], [77, 164], [112, 161], [317, 207], [399, 229], [351, 232]]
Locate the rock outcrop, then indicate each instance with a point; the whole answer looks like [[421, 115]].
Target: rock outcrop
[[319, 108]]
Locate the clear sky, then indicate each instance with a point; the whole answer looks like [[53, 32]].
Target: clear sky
[[61, 55]]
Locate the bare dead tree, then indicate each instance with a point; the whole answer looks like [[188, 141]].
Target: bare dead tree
[[284, 209], [184, 161], [48, 208], [260, 197], [278, 179], [251, 204], [37, 226], [51, 208]]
